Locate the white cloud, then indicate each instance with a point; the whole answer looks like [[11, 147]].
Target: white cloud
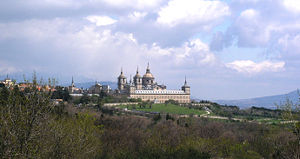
[[250, 67], [251, 30], [292, 5], [192, 11], [289, 49], [87, 48], [137, 4], [58, 3], [101, 20], [249, 14], [136, 15], [193, 53]]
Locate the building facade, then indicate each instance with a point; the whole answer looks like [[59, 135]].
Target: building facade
[[145, 88], [98, 88], [7, 82], [73, 90]]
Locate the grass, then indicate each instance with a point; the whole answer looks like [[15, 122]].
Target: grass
[[162, 108], [260, 119]]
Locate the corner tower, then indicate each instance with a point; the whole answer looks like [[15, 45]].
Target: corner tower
[[186, 88]]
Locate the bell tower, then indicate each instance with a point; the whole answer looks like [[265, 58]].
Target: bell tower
[[121, 81], [137, 80]]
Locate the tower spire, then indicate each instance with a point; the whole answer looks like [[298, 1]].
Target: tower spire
[[148, 68], [185, 83], [121, 70], [130, 80], [73, 85], [137, 70]]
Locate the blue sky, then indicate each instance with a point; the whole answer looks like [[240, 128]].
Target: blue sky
[[227, 49]]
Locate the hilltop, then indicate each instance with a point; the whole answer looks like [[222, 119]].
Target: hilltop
[[266, 102]]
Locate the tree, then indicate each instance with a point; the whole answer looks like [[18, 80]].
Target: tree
[[171, 101], [85, 99], [156, 117], [61, 93], [20, 120], [72, 137], [31, 127], [291, 113], [4, 94], [102, 94]]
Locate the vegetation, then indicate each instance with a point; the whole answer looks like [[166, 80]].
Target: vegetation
[[166, 108], [250, 114], [32, 126], [61, 93]]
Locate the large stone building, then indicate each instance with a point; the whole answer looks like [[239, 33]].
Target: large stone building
[[145, 88]]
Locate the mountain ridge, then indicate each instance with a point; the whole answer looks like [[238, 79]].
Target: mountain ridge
[[266, 101]]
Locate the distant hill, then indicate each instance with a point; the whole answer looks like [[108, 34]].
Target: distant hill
[[266, 102], [86, 85]]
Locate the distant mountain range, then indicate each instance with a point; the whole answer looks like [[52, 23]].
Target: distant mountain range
[[266, 102]]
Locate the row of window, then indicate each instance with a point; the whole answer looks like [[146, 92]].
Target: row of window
[[159, 92], [161, 97]]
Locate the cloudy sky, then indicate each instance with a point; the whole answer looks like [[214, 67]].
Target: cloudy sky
[[228, 49]]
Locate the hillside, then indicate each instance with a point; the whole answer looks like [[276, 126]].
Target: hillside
[[266, 102]]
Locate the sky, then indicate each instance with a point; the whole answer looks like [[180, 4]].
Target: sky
[[227, 49]]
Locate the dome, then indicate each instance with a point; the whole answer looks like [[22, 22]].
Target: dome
[[137, 76], [121, 76], [148, 75]]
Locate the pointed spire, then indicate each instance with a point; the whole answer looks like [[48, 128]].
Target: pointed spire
[[73, 85], [121, 70], [130, 80], [185, 83], [137, 70], [148, 68]]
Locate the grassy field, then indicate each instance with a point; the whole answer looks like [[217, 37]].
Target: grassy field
[[162, 108]]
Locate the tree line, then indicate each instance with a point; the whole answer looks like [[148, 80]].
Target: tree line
[[33, 126]]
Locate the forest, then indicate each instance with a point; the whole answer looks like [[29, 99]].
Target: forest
[[32, 125]]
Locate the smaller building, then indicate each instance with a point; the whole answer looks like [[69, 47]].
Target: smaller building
[[7, 82], [73, 90], [95, 89], [98, 88], [106, 88]]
